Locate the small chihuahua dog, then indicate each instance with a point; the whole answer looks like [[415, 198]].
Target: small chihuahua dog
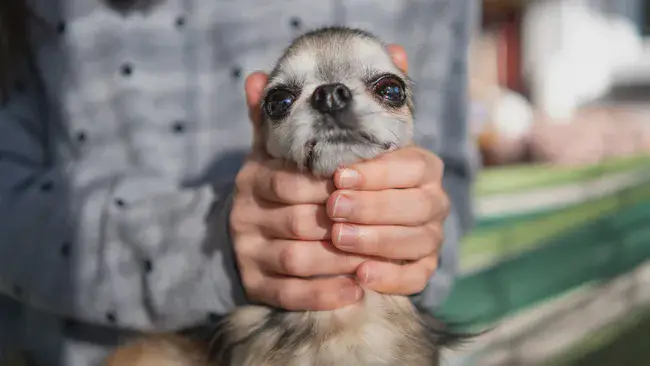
[[334, 98]]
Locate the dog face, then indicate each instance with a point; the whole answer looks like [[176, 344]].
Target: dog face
[[336, 97]]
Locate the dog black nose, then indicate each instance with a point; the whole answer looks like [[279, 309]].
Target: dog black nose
[[331, 98]]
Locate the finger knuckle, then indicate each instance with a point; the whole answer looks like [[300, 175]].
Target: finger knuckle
[[434, 160], [422, 281], [422, 154], [446, 203], [252, 284], [427, 208], [285, 297], [439, 202], [429, 242], [291, 260], [424, 251], [286, 187], [239, 217], [298, 222], [420, 166], [245, 248], [245, 176], [433, 267], [279, 184], [241, 179], [421, 284], [435, 235]]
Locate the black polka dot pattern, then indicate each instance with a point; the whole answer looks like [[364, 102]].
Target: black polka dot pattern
[[213, 317], [65, 249], [111, 317], [81, 136], [47, 186], [178, 127], [147, 265], [231, 64], [180, 21], [126, 69], [61, 27], [295, 23]]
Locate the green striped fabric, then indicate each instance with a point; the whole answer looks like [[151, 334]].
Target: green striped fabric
[[516, 260]]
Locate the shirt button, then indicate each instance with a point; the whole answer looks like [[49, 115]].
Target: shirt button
[[236, 72]]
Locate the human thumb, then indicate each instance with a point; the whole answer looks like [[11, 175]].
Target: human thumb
[[254, 87]]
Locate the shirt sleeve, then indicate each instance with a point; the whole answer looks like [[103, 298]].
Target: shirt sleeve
[[124, 247], [457, 151]]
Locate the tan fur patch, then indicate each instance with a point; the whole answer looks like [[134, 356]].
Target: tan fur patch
[[162, 350]]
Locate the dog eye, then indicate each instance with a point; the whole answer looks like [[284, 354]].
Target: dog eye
[[278, 103], [391, 90]]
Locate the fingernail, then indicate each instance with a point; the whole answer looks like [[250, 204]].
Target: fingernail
[[342, 207], [368, 275], [351, 293], [348, 178], [348, 235]]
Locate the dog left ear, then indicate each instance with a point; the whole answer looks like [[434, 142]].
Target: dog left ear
[[254, 88]]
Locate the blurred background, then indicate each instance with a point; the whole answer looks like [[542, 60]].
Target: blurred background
[[559, 260]]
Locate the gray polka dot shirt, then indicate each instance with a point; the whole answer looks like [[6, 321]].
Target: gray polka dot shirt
[[120, 141]]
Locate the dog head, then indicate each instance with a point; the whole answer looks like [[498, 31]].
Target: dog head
[[334, 98]]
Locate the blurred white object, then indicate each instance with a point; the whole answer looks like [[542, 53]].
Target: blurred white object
[[572, 49], [637, 72], [513, 116]]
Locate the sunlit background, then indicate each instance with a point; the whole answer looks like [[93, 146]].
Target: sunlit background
[[559, 260]]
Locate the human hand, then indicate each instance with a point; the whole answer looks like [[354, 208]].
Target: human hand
[[392, 208], [281, 232]]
